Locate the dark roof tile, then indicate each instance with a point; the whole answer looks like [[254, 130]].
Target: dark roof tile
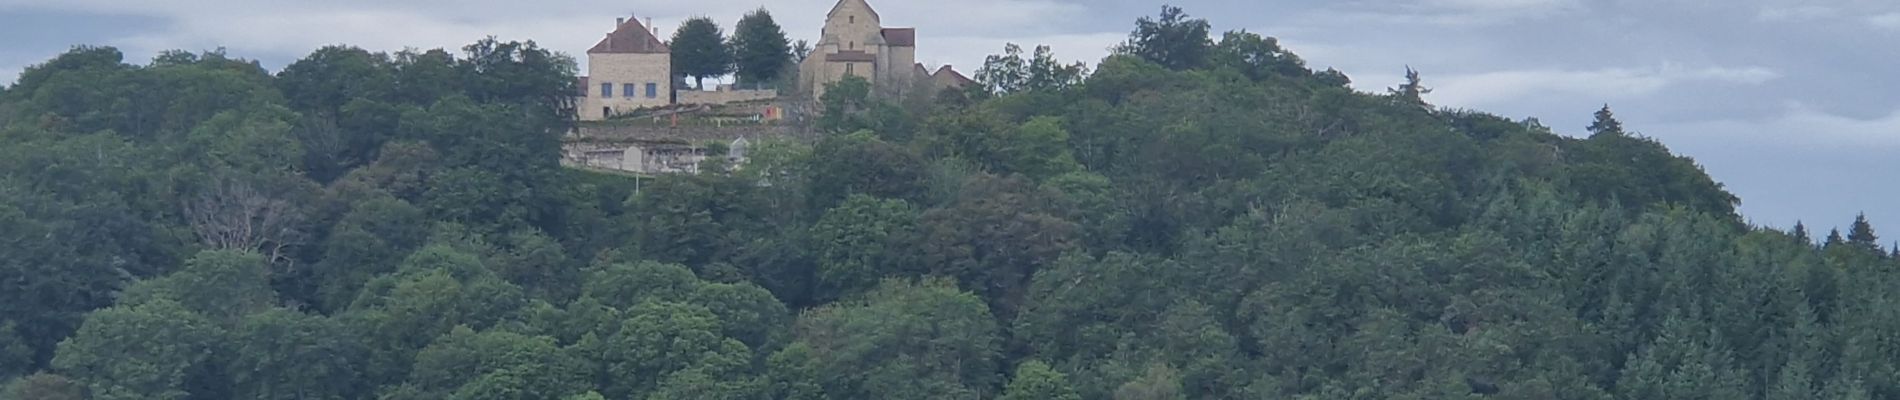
[[631, 37], [902, 37]]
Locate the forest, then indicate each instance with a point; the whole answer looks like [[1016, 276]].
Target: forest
[[1198, 216]]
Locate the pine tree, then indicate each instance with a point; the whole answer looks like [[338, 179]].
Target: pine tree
[[761, 52], [1413, 91], [1606, 123], [700, 52], [1801, 233], [1862, 233], [1833, 239]]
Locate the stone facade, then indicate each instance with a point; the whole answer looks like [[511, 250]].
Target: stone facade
[[628, 70], [856, 43]]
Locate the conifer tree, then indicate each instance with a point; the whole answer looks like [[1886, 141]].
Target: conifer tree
[[1606, 123], [1413, 91], [1862, 233], [1801, 233]]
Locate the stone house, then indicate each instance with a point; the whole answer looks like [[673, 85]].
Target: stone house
[[628, 70]]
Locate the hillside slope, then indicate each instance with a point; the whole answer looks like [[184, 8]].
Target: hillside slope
[[1196, 218]]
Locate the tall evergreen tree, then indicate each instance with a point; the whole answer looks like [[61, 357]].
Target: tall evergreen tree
[[1801, 233], [1862, 233], [761, 51], [700, 52], [1413, 91], [1606, 123]]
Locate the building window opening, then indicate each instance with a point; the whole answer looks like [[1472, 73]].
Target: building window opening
[[606, 112], [606, 90], [626, 90], [854, 19], [653, 90]]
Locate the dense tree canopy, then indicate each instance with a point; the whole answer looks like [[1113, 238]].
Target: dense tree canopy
[[700, 51], [761, 52], [1196, 217]]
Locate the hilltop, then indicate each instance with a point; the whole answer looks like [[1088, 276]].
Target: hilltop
[[1195, 217]]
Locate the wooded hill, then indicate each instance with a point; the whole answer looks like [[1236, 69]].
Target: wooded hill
[[1196, 218]]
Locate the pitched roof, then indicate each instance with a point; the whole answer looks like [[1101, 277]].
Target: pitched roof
[[851, 56], [957, 78], [840, 5], [902, 37], [921, 71], [631, 37]]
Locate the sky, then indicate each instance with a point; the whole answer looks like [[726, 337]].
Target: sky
[[1790, 103]]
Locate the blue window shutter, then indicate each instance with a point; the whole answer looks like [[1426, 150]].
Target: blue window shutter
[[653, 90], [627, 90], [606, 90]]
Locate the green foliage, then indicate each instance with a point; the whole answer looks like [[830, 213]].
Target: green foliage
[[861, 163], [464, 364], [282, 354], [902, 340], [860, 242], [1258, 57], [993, 238], [700, 50], [222, 285], [1011, 73], [1172, 40], [155, 350], [761, 52], [1192, 220], [43, 386], [1034, 380], [16, 354]]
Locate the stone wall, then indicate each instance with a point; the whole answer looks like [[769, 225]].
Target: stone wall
[[725, 96], [614, 133]]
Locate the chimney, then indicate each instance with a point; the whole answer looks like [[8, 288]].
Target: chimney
[[656, 30], [618, 22]]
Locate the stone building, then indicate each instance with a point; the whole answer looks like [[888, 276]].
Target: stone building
[[855, 42], [628, 70]]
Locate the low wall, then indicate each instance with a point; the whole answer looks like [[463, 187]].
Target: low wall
[[724, 96], [686, 133]]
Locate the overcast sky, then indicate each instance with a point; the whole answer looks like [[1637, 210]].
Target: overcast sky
[[1791, 103]]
